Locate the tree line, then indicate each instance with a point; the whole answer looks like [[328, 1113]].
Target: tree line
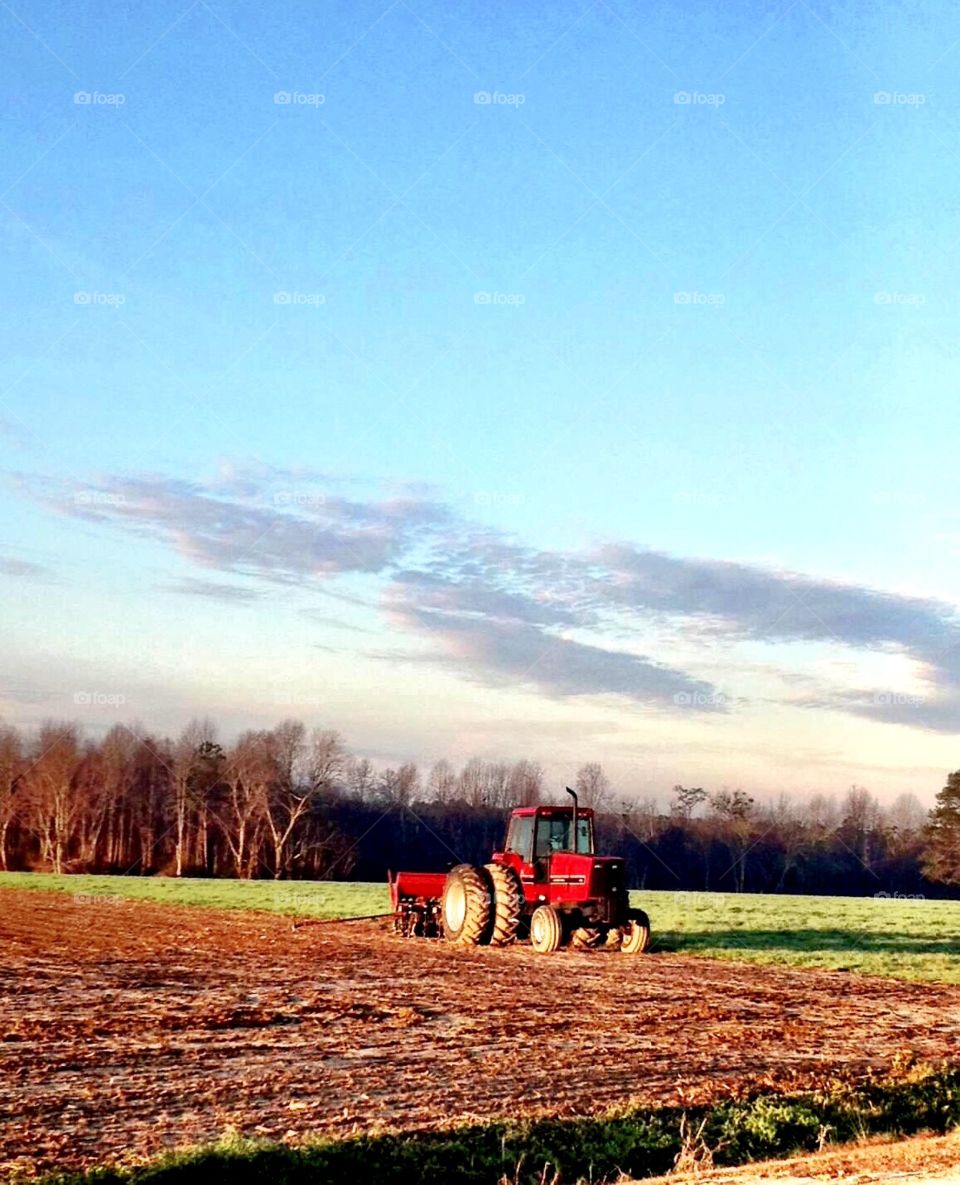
[[289, 803]]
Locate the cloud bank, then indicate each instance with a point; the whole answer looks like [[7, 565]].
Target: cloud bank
[[498, 611]]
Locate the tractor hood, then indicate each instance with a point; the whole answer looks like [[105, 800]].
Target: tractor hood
[[587, 875]]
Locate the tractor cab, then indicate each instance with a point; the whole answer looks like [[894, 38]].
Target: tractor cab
[[550, 846], [536, 834]]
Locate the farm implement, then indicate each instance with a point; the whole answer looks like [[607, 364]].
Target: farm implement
[[548, 885]]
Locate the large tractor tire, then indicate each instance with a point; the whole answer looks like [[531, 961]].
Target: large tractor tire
[[636, 933], [507, 903], [466, 906], [546, 930]]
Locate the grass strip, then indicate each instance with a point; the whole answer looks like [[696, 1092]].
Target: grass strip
[[638, 1143]]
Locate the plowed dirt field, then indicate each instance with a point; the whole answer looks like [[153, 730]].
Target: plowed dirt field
[[128, 1028]]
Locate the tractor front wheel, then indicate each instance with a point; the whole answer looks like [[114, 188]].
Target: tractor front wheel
[[466, 906], [507, 903], [546, 930], [636, 933]]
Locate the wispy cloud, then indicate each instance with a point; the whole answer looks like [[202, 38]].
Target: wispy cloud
[[284, 536], [13, 430], [318, 617], [190, 586], [774, 605], [23, 569], [502, 652], [567, 623]]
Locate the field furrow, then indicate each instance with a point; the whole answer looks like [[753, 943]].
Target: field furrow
[[128, 1028]]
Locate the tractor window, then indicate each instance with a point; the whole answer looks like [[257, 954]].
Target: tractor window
[[554, 834], [520, 836]]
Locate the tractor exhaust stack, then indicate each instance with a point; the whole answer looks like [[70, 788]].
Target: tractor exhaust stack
[[576, 807]]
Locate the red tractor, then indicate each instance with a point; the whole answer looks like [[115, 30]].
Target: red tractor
[[547, 883]]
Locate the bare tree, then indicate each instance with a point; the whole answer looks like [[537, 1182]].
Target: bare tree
[[822, 816], [471, 783], [526, 783], [288, 741], [593, 786], [400, 786], [642, 817], [149, 798], [118, 766], [51, 786], [735, 809], [496, 784], [326, 760], [190, 762], [442, 782], [906, 815], [248, 777], [360, 777], [93, 791], [859, 824], [10, 764], [785, 822], [287, 799]]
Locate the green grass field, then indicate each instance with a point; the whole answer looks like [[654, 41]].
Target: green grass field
[[324, 899], [905, 939]]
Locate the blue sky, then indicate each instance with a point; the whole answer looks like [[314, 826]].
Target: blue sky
[[575, 381]]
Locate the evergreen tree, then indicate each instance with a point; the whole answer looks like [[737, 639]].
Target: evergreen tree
[[941, 859]]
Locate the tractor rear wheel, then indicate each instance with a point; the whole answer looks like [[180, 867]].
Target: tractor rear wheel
[[466, 906], [507, 903], [636, 933], [546, 930]]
